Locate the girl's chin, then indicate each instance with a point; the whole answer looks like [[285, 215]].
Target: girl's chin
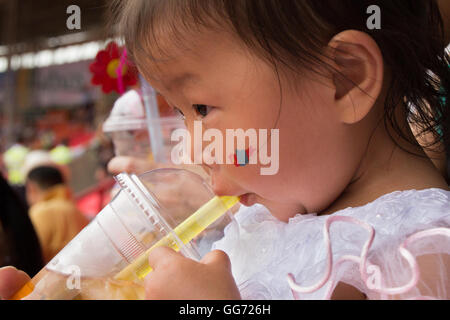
[[248, 199]]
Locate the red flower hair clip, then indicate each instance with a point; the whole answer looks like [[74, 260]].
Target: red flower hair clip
[[111, 71]]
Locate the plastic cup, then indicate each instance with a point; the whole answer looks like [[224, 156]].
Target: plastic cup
[[150, 210]]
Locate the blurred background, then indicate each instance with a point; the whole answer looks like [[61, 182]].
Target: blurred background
[[47, 99]]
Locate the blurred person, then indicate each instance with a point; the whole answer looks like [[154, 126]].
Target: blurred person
[[19, 244], [61, 154], [53, 212], [14, 158], [36, 158]]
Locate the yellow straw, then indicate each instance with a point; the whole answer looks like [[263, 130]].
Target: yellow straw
[[186, 231]]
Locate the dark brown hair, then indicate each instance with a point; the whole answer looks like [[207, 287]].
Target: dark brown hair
[[294, 33]]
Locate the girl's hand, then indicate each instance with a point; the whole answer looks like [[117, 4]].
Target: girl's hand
[[11, 281], [175, 277]]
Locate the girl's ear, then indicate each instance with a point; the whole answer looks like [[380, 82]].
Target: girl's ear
[[357, 75]]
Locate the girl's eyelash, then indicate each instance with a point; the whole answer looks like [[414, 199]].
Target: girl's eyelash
[[180, 112]]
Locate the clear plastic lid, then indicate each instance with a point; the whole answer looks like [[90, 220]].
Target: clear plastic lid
[[169, 197]]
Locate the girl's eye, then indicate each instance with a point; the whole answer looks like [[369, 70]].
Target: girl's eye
[[202, 109]]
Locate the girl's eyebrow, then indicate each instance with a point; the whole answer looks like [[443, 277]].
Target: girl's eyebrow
[[181, 80]]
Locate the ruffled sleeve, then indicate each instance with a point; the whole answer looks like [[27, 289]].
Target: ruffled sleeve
[[396, 247]]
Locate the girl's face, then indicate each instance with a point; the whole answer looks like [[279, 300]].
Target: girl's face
[[242, 91]]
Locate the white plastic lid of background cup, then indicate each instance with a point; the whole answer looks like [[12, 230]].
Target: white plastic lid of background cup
[[128, 113]]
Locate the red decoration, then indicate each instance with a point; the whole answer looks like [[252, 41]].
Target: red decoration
[[105, 69]]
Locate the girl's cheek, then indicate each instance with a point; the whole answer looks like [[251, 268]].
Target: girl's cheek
[[247, 176]]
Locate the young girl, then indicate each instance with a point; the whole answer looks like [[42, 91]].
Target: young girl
[[340, 94], [340, 90], [356, 209]]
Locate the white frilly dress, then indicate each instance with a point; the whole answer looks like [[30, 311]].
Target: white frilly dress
[[373, 248]]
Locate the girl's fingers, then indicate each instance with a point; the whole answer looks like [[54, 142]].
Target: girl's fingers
[[11, 280], [161, 256], [217, 257]]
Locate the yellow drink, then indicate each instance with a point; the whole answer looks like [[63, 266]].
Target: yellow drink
[[55, 286], [127, 284]]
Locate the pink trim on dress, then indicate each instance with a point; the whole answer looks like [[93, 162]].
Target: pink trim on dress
[[370, 273]]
